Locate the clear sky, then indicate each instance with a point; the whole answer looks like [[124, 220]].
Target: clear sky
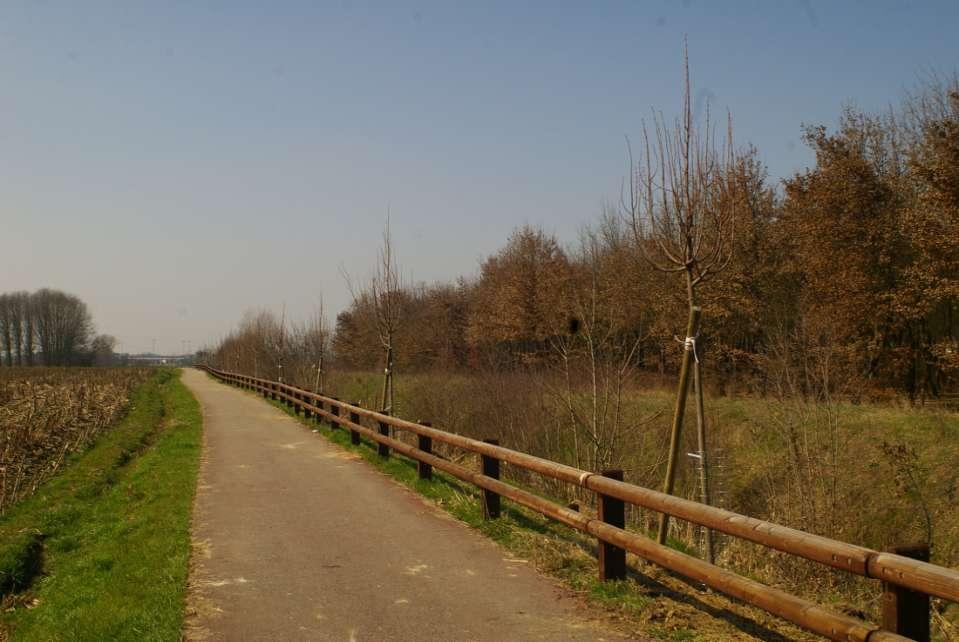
[[176, 163]]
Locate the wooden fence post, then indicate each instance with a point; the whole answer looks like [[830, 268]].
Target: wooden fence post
[[297, 398], [425, 444], [273, 390], [612, 559], [335, 409], [491, 501], [904, 611], [382, 449], [355, 418]]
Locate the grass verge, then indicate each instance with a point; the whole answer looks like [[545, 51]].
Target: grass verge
[[101, 551]]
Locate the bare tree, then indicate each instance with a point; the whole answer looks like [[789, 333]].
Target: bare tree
[[683, 226], [18, 308], [28, 310], [6, 328], [317, 343], [601, 345], [279, 344], [384, 294], [102, 350], [63, 326]]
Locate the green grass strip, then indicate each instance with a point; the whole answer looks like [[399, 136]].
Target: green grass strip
[[115, 529]]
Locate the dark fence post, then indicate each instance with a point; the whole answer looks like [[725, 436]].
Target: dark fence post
[[335, 409], [319, 405], [904, 611], [612, 559], [273, 389], [307, 402], [382, 449], [297, 399], [491, 501], [355, 418], [425, 444]]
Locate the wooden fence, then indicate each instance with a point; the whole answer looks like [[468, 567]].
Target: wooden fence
[[907, 582]]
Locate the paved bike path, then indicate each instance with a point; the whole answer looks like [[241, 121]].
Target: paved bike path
[[296, 539]]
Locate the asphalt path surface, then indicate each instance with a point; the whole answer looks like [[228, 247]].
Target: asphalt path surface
[[297, 539]]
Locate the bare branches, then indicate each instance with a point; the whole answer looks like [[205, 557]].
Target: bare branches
[[599, 350], [683, 222], [679, 220], [383, 293], [385, 290]]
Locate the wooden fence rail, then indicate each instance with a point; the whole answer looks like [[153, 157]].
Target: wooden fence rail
[[907, 582]]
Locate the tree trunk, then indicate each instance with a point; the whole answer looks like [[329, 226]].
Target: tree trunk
[[386, 399], [692, 327]]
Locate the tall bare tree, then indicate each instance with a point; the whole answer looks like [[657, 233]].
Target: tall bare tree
[[384, 295], [6, 328], [18, 309], [683, 227]]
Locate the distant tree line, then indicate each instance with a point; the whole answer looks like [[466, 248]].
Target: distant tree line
[[844, 278], [265, 345], [50, 328]]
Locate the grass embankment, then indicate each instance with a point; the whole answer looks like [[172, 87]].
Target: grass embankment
[[661, 605], [101, 551]]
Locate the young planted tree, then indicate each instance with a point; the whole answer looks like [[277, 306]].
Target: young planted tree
[[310, 343], [383, 295], [278, 345], [683, 227]]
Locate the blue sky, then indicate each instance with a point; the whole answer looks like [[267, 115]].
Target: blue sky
[[177, 163]]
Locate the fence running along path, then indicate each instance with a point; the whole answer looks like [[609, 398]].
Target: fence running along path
[[907, 582]]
